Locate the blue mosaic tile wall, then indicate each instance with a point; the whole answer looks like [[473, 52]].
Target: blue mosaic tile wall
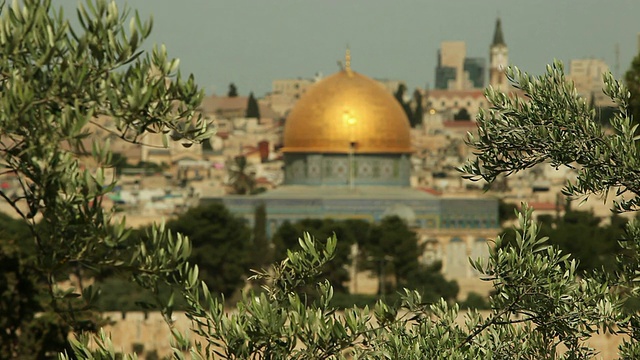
[[335, 169]]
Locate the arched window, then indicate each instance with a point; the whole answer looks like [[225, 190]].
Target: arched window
[[432, 251], [457, 265]]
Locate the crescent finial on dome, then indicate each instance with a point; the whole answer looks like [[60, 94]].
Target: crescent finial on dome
[[347, 60]]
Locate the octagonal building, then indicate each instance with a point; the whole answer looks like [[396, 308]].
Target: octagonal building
[[347, 149], [347, 130]]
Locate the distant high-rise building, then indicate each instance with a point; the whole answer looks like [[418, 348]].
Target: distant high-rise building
[[291, 87], [586, 75], [475, 69], [450, 69], [444, 74], [455, 71], [499, 59]]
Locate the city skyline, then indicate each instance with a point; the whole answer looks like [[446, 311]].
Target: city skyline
[[252, 43]]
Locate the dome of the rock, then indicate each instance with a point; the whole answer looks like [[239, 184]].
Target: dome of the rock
[[347, 112]]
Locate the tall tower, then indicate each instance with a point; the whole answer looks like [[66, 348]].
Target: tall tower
[[499, 58]]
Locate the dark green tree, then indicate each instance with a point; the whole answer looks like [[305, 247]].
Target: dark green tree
[[24, 334], [241, 178], [581, 234], [58, 80], [233, 90], [350, 232], [632, 80], [431, 284], [604, 115], [119, 162], [418, 111], [261, 251], [221, 245], [391, 249], [399, 95], [506, 211], [253, 110], [286, 237]]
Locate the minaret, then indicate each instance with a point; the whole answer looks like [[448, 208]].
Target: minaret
[[499, 58]]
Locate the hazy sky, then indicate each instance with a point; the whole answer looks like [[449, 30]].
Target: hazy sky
[[251, 42]]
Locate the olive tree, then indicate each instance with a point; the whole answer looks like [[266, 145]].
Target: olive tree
[[56, 83], [57, 80]]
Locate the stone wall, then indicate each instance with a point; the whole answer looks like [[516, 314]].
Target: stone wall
[[149, 334]]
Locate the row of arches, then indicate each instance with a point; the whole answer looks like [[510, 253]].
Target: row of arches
[[454, 253]]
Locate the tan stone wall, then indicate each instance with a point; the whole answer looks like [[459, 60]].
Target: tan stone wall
[[153, 333]]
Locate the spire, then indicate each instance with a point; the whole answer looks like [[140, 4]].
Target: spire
[[347, 60], [498, 38]]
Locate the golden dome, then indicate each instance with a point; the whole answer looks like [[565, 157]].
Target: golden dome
[[343, 110]]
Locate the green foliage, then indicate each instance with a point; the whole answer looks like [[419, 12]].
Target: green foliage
[[506, 211], [261, 249], [418, 111], [540, 307], [632, 81], [604, 115], [349, 232], [120, 294], [348, 301], [119, 162], [43, 337], [233, 90], [21, 329], [56, 82], [220, 245], [253, 110], [25, 333], [241, 176], [475, 301], [580, 234], [13, 229], [429, 282], [399, 95], [555, 125], [391, 248]]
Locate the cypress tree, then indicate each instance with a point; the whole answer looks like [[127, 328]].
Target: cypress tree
[[262, 254], [253, 110], [632, 80], [399, 95], [233, 90], [418, 111]]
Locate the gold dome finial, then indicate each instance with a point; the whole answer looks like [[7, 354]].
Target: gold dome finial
[[347, 60]]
